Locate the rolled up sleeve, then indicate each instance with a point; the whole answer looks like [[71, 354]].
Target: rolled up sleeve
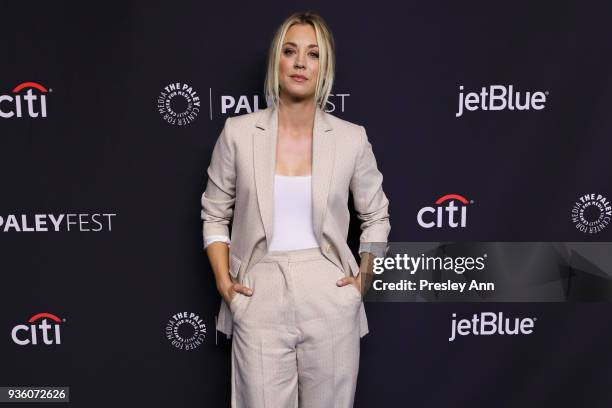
[[216, 238], [370, 201], [220, 195]]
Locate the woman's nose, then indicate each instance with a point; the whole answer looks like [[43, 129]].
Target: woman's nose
[[299, 60]]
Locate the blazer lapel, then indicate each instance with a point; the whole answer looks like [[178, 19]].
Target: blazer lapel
[[323, 151], [264, 159]]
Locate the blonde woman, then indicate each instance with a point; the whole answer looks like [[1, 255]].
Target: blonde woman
[[291, 287]]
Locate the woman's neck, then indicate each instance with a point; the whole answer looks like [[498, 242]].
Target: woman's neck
[[296, 117]]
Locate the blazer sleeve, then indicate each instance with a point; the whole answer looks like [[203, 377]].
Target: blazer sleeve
[[220, 195], [370, 201]]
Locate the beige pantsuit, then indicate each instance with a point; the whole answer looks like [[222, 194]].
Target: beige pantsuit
[[297, 329], [297, 337]]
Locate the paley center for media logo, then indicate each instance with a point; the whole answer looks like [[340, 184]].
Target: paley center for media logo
[[490, 324], [450, 210], [500, 97], [42, 328], [96, 222], [28, 99], [178, 104], [591, 213], [186, 330]]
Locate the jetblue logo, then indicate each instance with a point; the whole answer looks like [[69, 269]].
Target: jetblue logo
[[500, 97], [491, 324]]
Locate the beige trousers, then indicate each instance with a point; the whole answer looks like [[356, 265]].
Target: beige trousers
[[296, 339]]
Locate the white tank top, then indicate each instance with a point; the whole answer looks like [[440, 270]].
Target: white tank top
[[292, 214]]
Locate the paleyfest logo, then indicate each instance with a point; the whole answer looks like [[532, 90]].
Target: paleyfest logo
[[27, 99], [85, 222], [186, 331], [42, 328], [179, 104], [244, 104], [591, 213]]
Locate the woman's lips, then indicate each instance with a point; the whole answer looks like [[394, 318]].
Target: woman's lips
[[298, 78]]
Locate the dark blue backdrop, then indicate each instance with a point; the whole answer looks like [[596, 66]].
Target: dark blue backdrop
[[106, 147]]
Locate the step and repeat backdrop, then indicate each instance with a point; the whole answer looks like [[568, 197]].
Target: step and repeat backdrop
[[490, 121]]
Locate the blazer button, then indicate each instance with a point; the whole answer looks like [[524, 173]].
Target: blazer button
[[327, 247]]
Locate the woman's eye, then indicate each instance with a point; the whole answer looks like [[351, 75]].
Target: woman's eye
[[287, 51], [314, 54]]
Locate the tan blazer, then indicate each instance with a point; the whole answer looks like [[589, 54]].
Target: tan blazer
[[240, 189]]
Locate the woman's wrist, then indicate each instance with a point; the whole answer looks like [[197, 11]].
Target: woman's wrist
[[224, 285], [367, 262]]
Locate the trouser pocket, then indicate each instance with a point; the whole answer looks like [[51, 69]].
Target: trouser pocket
[[349, 291]]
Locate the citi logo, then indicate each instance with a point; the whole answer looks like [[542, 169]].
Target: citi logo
[[445, 213], [26, 103], [489, 324], [500, 97], [33, 333]]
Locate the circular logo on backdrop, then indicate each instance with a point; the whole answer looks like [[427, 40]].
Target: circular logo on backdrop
[[591, 213], [178, 104], [186, 331]]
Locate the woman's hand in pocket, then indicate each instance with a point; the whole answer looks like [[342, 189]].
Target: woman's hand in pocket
[[351, 280], [232, 289]]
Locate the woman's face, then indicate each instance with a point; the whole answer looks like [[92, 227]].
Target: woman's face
[[299, 63]]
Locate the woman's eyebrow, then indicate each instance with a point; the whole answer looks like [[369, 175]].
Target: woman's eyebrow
[[295, 45]]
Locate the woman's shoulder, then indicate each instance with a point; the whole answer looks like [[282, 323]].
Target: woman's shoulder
[[245, 119], [236, 127], [336, 120], [353, 131]]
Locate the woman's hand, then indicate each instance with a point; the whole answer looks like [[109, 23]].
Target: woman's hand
[[365, 272], [229, 290], [351, 280]]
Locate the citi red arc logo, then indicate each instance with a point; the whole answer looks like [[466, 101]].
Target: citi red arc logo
[[26, 334], [25, 104], [429, 217]]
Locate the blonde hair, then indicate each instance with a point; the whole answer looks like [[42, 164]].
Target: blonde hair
[[327, 58]]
